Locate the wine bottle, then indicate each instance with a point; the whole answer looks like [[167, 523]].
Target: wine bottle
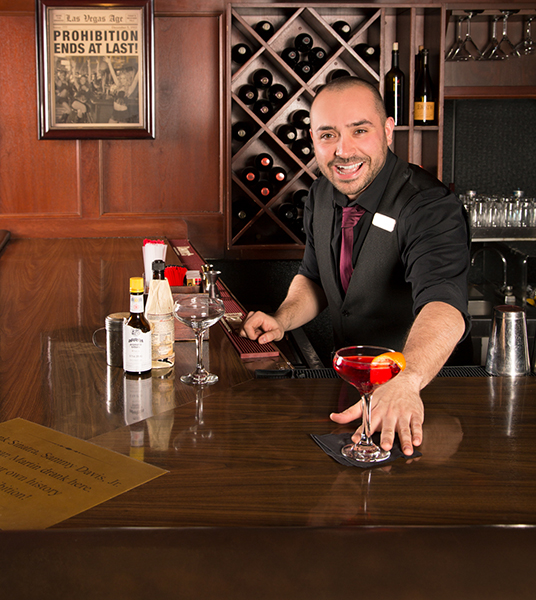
[[303, 149], [367, 52], [242, 131], [277, 176], [287, 212], [264, 110], [291, 56], [241, 53], [394, 89], [265, 30], [264, 190], [242, 209], [262, 79], [299, 197], [264, 162], [303, 42], [424, 106], [250, 175], [136, 332], [301, 119], [338, 73], [287, 134], [304, 69], [277, 94], [317, 56], [248, 94], [343, 29], [298, 228]]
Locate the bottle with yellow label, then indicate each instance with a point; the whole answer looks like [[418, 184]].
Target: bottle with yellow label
[[424, 108]]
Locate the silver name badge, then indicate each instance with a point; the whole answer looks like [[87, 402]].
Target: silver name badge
[[384, 222]]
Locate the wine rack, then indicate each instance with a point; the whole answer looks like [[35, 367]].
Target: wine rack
[[255, 228]]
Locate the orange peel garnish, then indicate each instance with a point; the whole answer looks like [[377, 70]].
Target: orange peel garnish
[[386, 357]]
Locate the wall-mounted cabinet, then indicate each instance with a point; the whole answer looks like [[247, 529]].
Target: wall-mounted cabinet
[[261, 219]]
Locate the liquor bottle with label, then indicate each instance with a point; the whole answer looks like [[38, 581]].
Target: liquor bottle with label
[[394, 89], [424, 105], [136, 332], [159, 313]]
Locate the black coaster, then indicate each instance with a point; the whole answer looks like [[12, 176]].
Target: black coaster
[[332, 444]]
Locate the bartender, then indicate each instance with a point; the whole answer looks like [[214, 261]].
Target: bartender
[[387, 250]]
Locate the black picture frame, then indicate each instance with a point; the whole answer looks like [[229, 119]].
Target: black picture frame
[[95, 69]]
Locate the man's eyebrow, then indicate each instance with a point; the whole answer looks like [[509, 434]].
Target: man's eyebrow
[[355, 124]]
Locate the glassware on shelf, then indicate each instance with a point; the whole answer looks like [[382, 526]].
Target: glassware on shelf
[[505, 45], [199, 312], [526, 45], [464, 48], [492, 50], [469, 45], [455, 52]]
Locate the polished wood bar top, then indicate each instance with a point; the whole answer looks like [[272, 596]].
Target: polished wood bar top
[[239, 453]]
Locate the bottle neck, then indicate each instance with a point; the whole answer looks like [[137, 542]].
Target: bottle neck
[[394, 60], [136, 303]]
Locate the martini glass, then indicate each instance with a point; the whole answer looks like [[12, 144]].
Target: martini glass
[[199, 312], [356, 365], [527, 44], [505, 44], [492, 51]]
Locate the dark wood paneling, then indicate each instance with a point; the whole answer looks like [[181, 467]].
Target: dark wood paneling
[[179, 172], [37, 178]]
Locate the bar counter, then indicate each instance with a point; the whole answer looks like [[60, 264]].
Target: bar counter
[[246, 484]]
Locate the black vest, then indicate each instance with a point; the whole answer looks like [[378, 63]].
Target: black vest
[[378, 306]]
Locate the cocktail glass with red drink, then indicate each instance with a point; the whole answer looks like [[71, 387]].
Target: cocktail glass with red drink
[[366, 368]]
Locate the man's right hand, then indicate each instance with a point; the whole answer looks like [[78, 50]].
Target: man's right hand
[[261, 327]]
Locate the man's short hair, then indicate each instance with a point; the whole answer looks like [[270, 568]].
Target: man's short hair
[[343, 83]]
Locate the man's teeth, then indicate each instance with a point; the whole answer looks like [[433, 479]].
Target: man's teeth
[[351, 167]]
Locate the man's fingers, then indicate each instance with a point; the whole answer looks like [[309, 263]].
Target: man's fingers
[[350, 414]]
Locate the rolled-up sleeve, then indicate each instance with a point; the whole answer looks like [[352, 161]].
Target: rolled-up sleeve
[[434, 244]]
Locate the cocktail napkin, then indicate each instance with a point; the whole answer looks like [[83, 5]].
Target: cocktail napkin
[[332, 444]]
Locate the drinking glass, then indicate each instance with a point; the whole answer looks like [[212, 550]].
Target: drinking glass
[[469, 46], [492, 50], [505, 45], [455, 52], [356, 365], [526, 45], [199, 312]]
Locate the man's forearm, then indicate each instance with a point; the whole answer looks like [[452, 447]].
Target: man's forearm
[[304, 301], [432, 338]]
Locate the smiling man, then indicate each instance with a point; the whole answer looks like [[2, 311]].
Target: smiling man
[[387, 250]]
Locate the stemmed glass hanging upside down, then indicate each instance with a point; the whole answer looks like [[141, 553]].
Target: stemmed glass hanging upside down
[[366, 368]]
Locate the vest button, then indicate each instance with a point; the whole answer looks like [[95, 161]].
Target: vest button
[[345, 313]]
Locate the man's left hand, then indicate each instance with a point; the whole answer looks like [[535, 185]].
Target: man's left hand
[[396, 408]]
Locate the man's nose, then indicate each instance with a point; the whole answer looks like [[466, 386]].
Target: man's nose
[[345, 146]]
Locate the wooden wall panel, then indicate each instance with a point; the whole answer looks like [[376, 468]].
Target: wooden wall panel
[[179, 172], [37, 178]]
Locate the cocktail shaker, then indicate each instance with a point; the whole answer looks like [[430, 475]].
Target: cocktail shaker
[[508, 349]]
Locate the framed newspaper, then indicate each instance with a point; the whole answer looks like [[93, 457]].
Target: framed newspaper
[[95, 69]]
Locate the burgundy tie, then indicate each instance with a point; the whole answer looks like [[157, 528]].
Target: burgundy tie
[[350, 218]]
